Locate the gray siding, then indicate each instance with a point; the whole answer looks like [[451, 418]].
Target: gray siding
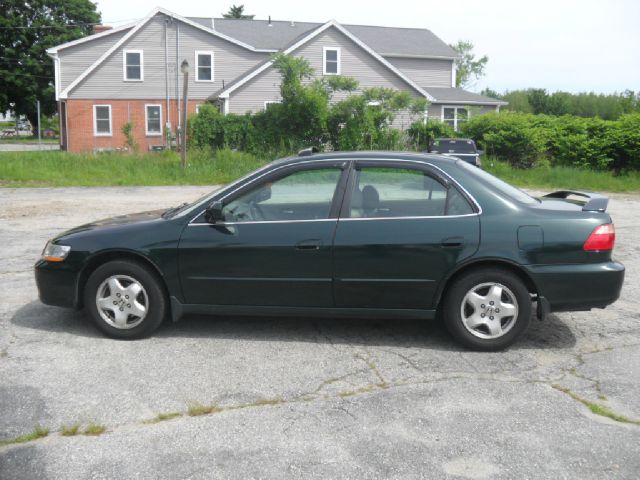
[[106, 82], [355, 63], [423, 71], [75, 60]]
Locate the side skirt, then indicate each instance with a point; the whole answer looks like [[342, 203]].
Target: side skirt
[[178, 310]]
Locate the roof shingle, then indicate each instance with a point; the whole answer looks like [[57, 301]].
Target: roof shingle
[[277, 34]]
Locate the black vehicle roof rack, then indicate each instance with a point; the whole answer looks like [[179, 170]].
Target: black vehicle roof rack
[[307, 152]]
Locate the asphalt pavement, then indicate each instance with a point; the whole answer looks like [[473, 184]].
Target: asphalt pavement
[[300, 397]]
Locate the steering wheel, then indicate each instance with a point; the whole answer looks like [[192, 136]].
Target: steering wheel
[[255, 211]]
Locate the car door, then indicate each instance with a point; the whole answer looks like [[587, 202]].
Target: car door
[[403, 227], [273, 247]]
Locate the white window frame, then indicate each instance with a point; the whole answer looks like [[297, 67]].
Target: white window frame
[[124, 66], [95, 122], [269, 102], [210, 54], [324, 60], [146, 120], [455, 114]]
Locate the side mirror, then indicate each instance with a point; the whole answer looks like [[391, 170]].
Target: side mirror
[[480, 152], [213, 213]]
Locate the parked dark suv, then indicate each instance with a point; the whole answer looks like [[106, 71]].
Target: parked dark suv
[[462, 148]]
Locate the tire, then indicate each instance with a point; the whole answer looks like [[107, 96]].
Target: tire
[[476, 322], [125, 299]]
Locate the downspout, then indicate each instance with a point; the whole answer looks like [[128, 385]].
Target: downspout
[[166, 76], [178, 72]]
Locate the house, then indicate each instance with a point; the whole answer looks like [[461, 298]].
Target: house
[[131, 74]]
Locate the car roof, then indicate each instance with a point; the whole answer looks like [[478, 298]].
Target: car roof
[[370, 155], [456, 139]]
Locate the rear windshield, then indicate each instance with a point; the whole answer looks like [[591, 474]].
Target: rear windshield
[[502, 187], [453, 146]]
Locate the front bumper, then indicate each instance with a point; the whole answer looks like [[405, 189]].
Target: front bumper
[[580, 286], [57, 284]]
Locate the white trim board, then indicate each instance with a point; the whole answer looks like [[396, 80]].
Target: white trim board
[[338, 60], [95, 121], [158, 10], [124, 66], [95, 36], [211, 55], [312, 35], [146, 120]]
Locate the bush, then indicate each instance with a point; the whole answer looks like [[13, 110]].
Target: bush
[[508, 136], [422, 134], [525, 139]]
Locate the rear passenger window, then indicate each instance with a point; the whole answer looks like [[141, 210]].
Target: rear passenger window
[[396, 192]]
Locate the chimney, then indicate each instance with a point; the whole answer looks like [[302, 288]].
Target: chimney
[[293, 23], [101, 28], [270, 25]]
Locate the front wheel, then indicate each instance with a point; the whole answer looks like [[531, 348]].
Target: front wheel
[[487, 309], [125, 299]]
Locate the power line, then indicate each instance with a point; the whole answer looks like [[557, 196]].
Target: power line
[[68, 25], [6, 72]]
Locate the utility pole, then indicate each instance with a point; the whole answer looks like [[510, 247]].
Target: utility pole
[[39, 129], [184, 68]]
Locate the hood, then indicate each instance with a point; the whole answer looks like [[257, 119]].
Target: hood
[[118, 221]]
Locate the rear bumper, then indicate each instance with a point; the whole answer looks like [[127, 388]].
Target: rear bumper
[[57, 284], [578, 287]]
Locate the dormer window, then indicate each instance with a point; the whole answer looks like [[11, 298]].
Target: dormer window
[[331, 60], [133, 67], [204, 66]]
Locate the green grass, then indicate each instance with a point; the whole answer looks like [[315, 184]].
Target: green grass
[[70, 430], [196, 409], [569, 178], [57, 169], [596, 408], [94, 429], [161, 417], [38, 432]]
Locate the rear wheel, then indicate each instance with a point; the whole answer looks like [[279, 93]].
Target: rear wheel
[[125, 299], [487, 309]]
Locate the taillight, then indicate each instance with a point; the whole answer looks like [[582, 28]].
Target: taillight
[[602, 238]]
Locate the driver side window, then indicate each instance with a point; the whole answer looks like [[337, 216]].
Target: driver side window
[[302, 195]]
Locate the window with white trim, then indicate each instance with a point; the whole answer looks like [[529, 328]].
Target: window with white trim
[[153, 119], [133, 65], [331, 61], [270, 102], [204, 66], [102, 120], [455, 116]]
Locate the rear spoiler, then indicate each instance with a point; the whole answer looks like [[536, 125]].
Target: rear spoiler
[[595, 202]]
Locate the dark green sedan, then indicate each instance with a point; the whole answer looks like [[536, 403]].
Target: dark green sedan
[[363, 234]]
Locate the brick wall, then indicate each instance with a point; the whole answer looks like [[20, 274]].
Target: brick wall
[[81, 137]]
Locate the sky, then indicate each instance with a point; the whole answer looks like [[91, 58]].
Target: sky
[[569, 45]]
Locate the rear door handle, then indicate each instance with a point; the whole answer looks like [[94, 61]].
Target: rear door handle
[[452, 242], [312, 244]]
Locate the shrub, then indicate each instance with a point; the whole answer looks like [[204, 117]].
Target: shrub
[[511, 137], [421, 134]]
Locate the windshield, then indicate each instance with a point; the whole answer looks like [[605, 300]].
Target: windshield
[[503, 187], [189, 207], [452, 145]]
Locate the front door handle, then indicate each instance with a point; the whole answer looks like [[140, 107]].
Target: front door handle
[[452, 242], [312, 244]]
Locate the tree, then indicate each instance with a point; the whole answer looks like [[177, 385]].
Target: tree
[[27, 29], [468, 67], [237, 12]]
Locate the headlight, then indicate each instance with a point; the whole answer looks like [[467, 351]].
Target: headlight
[[55, 253]]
